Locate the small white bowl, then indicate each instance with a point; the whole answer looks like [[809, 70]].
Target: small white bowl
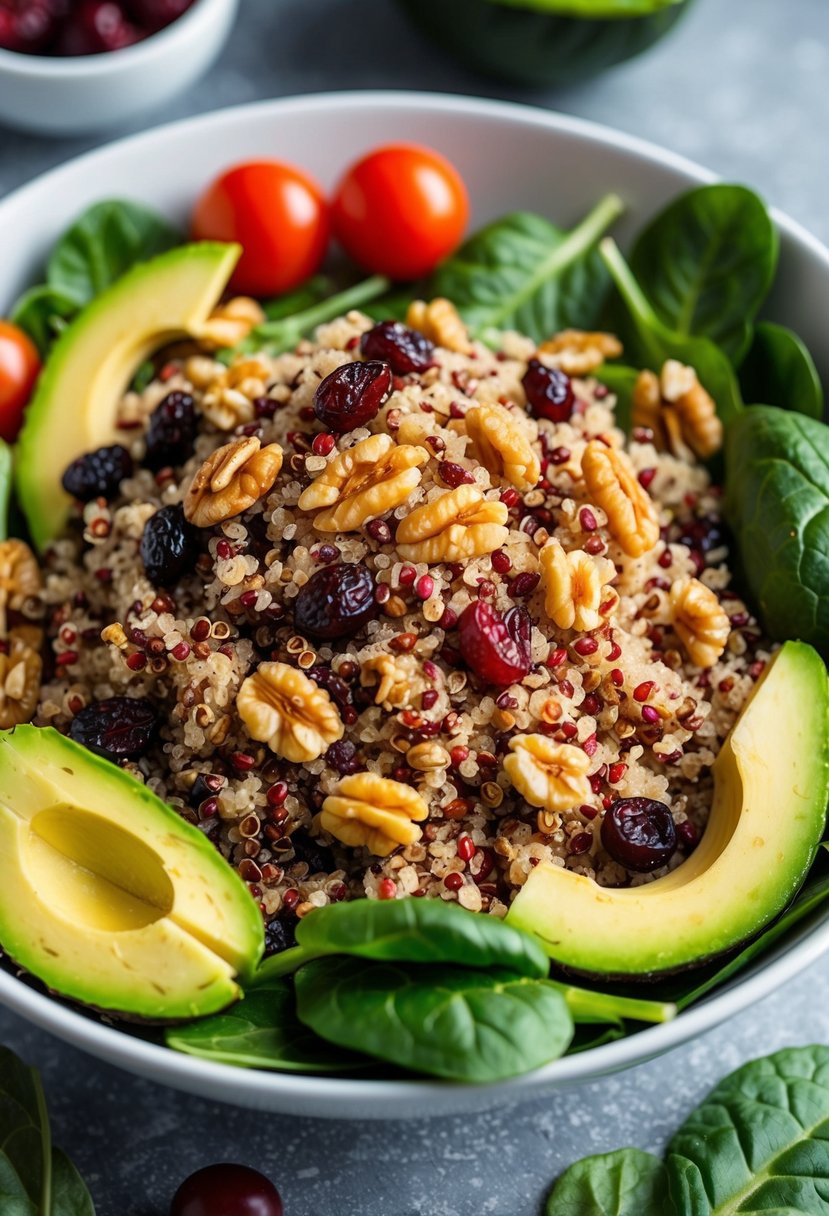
[[72, 95]]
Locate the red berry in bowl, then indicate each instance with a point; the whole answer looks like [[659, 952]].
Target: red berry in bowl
[[27, 27], [226, 1190], [106, 25], [405, 350], [352, 395], [549, 392], [496, 647], [156, 14], [639, 833]]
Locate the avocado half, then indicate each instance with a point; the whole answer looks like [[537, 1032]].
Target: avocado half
[[90, 367], [107, 895], [771, 786]]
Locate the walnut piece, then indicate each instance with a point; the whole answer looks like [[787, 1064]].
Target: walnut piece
[[283, 708], [19, 577], [427, 756], [613, 486], [578, 352], [501, 444], [20, 672], [231, 480], [365, 481], [548, 774], [229, 397], [699, 621], [400, 679], [372, 811], [440, 322], [679, 411], [231, 322], [454, 527], [576, 587]]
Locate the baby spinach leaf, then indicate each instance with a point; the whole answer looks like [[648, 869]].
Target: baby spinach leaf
[[523, 273], [69, 1194], [706, 264], [625, 1183], [777, 504], [409, 931], [778, 370], [446, 1021], [262, 1031], [587, 1006], [42, 312]]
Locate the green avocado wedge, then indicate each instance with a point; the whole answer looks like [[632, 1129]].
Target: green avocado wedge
[[771, 785], [107, 895], [93, 361]]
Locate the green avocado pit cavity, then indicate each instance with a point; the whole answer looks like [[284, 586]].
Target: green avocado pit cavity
[[74, 408], [107, 895], [771, 784]]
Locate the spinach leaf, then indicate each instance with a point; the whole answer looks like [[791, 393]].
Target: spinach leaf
[[625, 1183], [446, 1021], [409, 931], [587, 1006], [5, 488], [778, 370], [42, 312], [706, 264], [621, 381], [69, 1194], [759, 1142], [648, 342], [523, 273], [592, 9], [777, 504], [314, 290], [262, 1031]]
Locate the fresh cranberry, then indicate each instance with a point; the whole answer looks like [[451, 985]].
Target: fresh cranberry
[[639, 833], [352, 395], [549, 391], [155, 14], [106, 24], [405, 350], [226, 1190], [27, 27], [336, 602], [496, 647]]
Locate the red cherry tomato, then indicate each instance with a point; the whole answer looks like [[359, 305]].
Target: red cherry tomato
[[400, 210], [19, 368], [277, 214]]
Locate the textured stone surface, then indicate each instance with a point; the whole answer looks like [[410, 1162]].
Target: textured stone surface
[[740, 87]]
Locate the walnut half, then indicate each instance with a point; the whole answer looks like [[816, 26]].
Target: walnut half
[[679, 411], [283, 708], [548, 774], [700, 621], [501, 443], [374, 811], [439, 321], [612, 483], [453, 527], [575, 587], [20, 672], [231, 480], [365, 481]]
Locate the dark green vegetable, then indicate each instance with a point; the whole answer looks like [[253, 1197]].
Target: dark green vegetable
[[5, 488], [625, 1183], [777, 505], [316, 289], [706, 264], [588, 1007], [446, 1021], [778, 370], [620, 380], [42, 313]]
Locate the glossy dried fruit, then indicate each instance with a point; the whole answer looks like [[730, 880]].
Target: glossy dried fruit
[[405, 350], [352, 395], [118, 728], [168, 546], [98, 474], [549, 392], [336, 602], [639, 833], [171, 432], [496, 647]]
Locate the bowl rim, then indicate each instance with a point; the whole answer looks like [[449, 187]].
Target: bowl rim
[[256, 1087]]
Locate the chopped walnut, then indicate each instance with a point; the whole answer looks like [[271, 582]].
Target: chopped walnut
[[440, 322], [400, 679], [577, 352], [372, 811], [548, 774], [19, 577], [228, 399], [427, 756], [365, 481], [679, 411], [699, 620], [501, 443], [20, 672], [613, 485], [454, 527], [231, 322], [231, 480], [283, 708], [575, 587]]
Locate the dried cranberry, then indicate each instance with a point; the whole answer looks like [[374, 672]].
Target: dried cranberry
[[704, 534], [549, 391], [352, 395], [639, 833], [280, 934], [119, 728], [405, 350], [343, 757], [316, 856], [156, 14], [168, 548], [98, 474], [496, 647], [226, 1190], [171, 432], [336, 602]]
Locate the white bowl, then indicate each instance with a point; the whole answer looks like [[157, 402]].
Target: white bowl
[[510, 157], [63, 96]]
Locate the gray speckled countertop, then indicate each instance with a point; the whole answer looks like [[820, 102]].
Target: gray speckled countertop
[[741, 86]]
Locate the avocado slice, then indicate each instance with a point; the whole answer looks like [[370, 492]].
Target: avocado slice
[[771, 785], [74, 407], [107, 895]]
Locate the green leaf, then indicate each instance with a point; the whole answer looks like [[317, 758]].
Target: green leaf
[[625, 1183], [446, 1021], [42, 313], [587, 1006], [413, 931], [706, 264], [592, 9], [779, 370], [69, 1194], [523, 273], [316, 289], [759, 1142], [5, 488], [262, 1031], [620, 380]]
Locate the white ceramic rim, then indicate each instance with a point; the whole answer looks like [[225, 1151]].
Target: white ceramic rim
[[229, 1083]]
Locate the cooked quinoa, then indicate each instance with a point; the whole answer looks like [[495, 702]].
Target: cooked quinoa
[[623, 691]]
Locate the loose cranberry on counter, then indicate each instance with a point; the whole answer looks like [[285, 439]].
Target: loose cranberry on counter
[[549, 392], [336, 602], [352, 395], [639, 833], [226, 1190], [496, 647], [405, 350]]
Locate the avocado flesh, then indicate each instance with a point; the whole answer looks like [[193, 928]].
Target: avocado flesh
[[107, 895], [75, 404], [771, 785]]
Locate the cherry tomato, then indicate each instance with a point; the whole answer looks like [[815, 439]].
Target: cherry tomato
[[19, 368], [400, 210], [277, 214]]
